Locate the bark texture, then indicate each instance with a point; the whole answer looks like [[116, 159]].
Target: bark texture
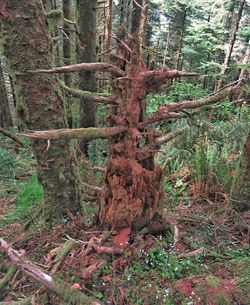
[[5, 116], [86, 54], [40, 104]]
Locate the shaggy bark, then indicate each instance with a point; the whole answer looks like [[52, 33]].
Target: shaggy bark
[[40, 104]]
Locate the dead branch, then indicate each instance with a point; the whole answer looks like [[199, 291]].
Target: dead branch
[[99, 66], [92, 187], [94, 97], [13, 137], [61, 255], [22, 302], [86, 133], [158, 116], [169, 111], [207, 100], [171, 135], [192, 253], [58, 287], [99, 169]]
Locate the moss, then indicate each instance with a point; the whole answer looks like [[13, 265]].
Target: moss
[[213, 281], [243, 278]]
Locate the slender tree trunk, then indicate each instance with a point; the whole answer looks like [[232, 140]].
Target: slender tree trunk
[[40, 103], [245, 62], [231, 44], [108, 30], [240, 192], [5, 116], [86, 53], [67, 54]]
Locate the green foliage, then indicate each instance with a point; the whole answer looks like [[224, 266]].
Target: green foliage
[[177, 92], [30, 194]]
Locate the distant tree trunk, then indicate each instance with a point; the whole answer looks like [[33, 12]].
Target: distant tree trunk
[[66, 39], [231, 45], [108, 30], [67, 54], [40, 103], [245, 62], [86, 53], [240, 192], [5, 116]]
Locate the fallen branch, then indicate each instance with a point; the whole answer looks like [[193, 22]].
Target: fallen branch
[[22, 302], [68, 294], [86, 133], [61, 255], [13, 137], [192, 253], [100, 66]]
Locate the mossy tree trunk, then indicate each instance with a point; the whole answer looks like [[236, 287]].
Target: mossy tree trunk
[[5, 116], [240, 193], [86, 50], [40, 103]]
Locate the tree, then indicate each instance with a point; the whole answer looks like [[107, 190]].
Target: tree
[[40, 103], [5, 116], [231, 44], [86, 49]]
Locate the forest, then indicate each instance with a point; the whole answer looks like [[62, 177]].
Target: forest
[[124, 152]]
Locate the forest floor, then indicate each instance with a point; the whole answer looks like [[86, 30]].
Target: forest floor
[[202, 256]]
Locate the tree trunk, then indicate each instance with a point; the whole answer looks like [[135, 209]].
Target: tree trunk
[[231, 44], [40, 103], [5, 116], [133, 192], [240, 192], [67, 54], [86, 53], [108, 30]]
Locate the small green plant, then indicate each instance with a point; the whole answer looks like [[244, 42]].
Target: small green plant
[[30, 193]]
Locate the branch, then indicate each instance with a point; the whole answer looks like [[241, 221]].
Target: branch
[[170, 135], [169, 111], [207, 100], [100, 66], [158, 116], [65, 292], [153, 80], [13, 137], [80, 133], [86, 94]]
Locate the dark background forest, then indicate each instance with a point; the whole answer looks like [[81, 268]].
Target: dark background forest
[[125, 152]]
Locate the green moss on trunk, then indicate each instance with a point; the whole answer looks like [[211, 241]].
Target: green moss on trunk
[[40, 103]]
